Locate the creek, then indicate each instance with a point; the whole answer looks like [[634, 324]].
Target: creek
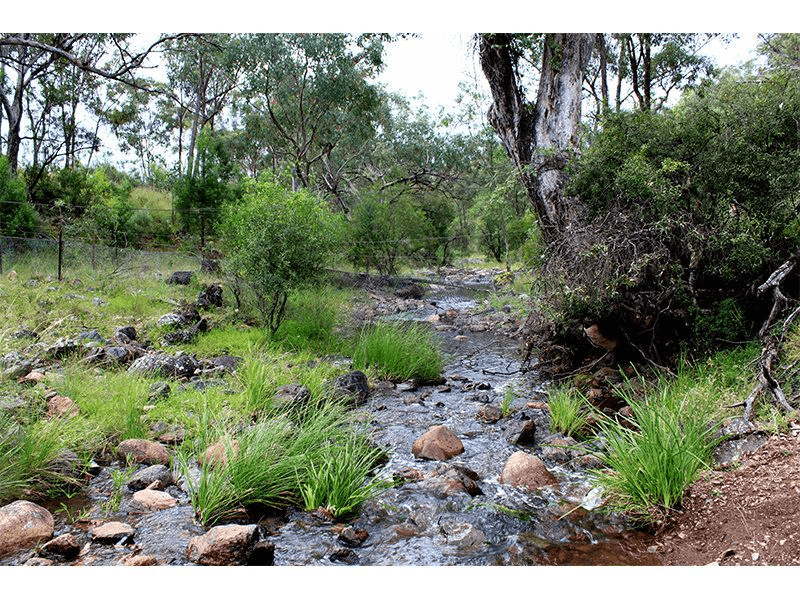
[[451, 512], [457, 513]]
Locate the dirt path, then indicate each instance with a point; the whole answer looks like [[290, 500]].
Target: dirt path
[[744, 516]]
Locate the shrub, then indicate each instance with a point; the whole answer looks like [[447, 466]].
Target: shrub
[[17, 216], [277, 241]]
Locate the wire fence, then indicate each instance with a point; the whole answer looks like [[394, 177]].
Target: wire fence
[[83, 241]]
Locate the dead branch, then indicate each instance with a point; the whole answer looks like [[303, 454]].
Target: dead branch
[[771, 344]]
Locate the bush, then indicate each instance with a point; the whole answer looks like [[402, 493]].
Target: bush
[[688, 209], [17, 216], [277, 241]]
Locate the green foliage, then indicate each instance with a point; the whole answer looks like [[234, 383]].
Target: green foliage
[[655, 459], [338, 481], [383, 233], [706, 193], [200, 195], [277, 241], [569, 411], [17, 216], [399, 351]]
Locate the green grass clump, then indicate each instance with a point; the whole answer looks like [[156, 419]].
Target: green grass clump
[[569, 410], [338, 480], [288, 459], [30, 452], [399, 351], [654, 461]]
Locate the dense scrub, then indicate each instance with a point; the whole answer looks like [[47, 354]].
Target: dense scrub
[[688, 211]]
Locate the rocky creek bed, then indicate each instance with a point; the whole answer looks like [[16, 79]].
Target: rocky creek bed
[[467, 507]]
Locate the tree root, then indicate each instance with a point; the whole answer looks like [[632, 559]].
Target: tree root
[[772, 344]]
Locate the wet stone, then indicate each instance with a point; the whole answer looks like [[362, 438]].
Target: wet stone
[[112, 532], [64, 545], [224, 545], [345, 556], [149, 475], [521, 433], [353, 537], [489, 414]]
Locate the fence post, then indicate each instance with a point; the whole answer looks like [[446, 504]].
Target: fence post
[[60, 250]]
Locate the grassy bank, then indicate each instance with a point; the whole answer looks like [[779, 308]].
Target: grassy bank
[[317, 453]]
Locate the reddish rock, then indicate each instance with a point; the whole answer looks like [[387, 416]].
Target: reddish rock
[[64, 545], [218, 453], [438, 443], [598, 338], [33, 377], [538, 405], [154, 499], [526, 470], [139, 560], [143, 452], [224, 545], [23, 524], [112, 532], [61, 406]]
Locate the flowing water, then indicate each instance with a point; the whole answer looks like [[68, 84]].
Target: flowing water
[[456, 513], [437, 513]]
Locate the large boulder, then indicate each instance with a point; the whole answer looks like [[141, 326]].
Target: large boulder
[[143, 452], [230, 545], [23, 524], [438, 443], [526, 470]]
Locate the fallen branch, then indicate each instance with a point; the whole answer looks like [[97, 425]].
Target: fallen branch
[[771, 344]]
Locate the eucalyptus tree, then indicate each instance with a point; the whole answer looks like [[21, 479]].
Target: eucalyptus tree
[[540, 137], [202, 71], [26, 59], [312, 91]]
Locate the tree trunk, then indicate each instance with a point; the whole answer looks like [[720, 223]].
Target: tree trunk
[[541, 141]]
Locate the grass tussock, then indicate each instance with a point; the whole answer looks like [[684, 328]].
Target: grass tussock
[[652, 460], [313, 456], [569, 411], [399, 352]]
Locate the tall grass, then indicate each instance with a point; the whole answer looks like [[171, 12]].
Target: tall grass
[[399, 351], [339, 479], [569, 410], [30, 452], [280, 461], [654, 461]]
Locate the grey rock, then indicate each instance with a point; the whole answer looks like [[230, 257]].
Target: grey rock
[[210, 296], [180, 278], [149, 475], [521, 433], [353, 385]]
